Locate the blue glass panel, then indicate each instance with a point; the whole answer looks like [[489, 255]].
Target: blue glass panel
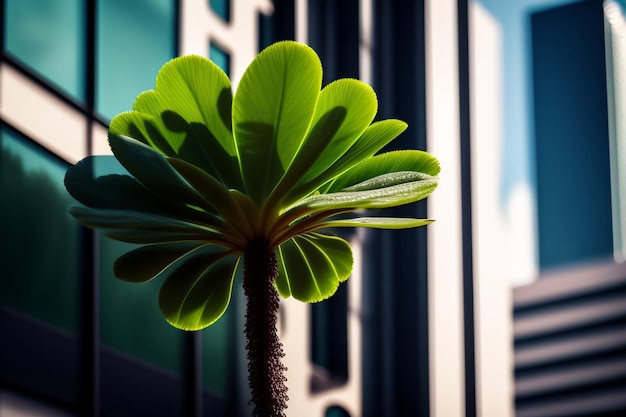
[[49, 37], [571, 135], [134, 39], [220, 57], [39, 246], [221, 8], [130, 319]]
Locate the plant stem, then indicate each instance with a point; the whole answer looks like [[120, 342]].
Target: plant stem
[[265, 369]]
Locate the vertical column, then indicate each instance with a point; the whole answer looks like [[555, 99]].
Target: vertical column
[[89, 285], [492, 291], [444, 243]]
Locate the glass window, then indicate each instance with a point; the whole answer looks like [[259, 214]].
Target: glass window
[[267, 32], [49, 37], [220, 57], [130, 319], [218, 356], [39, 253], [571, 135], [134, 39], [336, 411], [221, 8]]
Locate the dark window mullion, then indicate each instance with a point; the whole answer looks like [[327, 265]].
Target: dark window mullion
[[89, 288], [466, 208]]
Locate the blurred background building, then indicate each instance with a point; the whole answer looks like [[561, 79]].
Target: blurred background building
[[512, 303]]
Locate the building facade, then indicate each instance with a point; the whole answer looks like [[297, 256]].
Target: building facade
[[429, 324], [76, 340]]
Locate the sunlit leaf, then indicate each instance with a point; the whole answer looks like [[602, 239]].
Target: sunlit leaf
[[377, 223], [345, 109], [272, 110], [388, 180], [391, 196], [202, 175], [408, 160], [197, 292], [188, 116], [373, 139], [360, 105], [312, 265]]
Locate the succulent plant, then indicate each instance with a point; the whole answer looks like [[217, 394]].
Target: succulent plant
[[204, 178]]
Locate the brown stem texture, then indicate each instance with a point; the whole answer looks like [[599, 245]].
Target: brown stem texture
[[266, 373]]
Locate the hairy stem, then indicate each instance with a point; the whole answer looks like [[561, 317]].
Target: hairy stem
[[265, 369]]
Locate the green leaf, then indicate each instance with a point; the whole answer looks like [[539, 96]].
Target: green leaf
[[345, 109], [148, 130], [149, 236], [395, 161], [112, 191], [388, 180], [187, 116], [215, 194], [151, 169], [312, 265], [377, 223], [272, 109], [135, 226], [123, 192], [359, 101], [373, 139], [204, 174], [198, 91], [197, 292], [394, 195], [147, 262]]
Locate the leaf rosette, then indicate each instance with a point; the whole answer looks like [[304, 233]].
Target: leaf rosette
[[202, 174]]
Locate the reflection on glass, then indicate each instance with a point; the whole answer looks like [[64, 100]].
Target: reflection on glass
[[49, 37], [134, 39], [130, 320], [39, 250]]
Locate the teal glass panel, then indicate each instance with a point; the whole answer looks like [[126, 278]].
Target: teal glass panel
[[219, 346], [130, 319], [336, 411], [49, 37], [220, 57], [221, 8], [39, 253], [134, 39]]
